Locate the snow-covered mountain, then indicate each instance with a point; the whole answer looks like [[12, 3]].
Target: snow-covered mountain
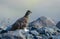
[[42, 22]]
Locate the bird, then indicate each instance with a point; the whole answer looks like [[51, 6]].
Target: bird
[[21, 23]]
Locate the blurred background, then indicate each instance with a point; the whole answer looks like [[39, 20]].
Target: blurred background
[[11, 10]]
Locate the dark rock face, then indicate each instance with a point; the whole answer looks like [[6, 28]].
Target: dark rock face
[[58, 25]]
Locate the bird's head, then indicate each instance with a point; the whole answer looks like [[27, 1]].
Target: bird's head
[[27, 13]]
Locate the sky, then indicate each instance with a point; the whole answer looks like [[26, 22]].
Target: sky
[[14, 9]]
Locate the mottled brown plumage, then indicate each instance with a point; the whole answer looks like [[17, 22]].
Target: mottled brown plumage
[[22, 22]]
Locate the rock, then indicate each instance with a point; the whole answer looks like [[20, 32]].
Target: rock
[[34, 32], [1, 29], [39, 37], [47, 31], [42, 22], [45, 37], [8, 36], [29, 36], [18, 34], [58, 25], [56, 36], [41, 30]]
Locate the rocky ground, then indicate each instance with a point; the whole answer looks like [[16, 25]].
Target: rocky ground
[[42, 28]]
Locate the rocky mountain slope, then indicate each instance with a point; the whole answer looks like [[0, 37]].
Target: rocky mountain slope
[[42, 28], [42, 22]]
